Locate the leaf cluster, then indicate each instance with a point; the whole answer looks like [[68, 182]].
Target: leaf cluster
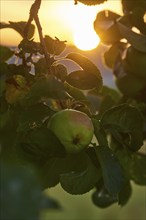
[[33, 89]]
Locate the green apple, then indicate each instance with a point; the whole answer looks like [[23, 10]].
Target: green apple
[[73, 128]]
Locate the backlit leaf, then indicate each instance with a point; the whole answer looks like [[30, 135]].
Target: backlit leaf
[[41, 144], [5, 53], [90, 2], [59, 71], [124, 119], [54, 167], [125, 194], [34, 116], [138, 41], [106, 27], [46, 88], [137, 169], [82, 80], [133, 165], [89, 78], [113, 53], [19, 27], [54, 46], [111, 170], [80, 182]]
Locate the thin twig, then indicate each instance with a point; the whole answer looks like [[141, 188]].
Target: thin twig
[[36, 19], [33, 10], [33, 15]]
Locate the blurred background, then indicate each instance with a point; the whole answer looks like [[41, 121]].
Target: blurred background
[[82, 208]]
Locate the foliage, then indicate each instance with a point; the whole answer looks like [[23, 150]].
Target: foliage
[[34, 86]]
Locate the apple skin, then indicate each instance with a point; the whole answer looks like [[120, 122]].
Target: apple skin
[[73, 128]]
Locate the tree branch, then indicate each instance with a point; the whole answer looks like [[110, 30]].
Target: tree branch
[[36, 19], [33, 15]]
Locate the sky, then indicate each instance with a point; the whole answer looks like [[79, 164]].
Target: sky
[[60, 18]]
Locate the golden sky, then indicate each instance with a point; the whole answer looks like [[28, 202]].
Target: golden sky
[[60, 18]]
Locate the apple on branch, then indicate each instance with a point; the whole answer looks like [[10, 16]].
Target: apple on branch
[[73, 128]]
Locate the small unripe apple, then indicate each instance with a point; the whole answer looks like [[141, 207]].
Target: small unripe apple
[[73, 128]]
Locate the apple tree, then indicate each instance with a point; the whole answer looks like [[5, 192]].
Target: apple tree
[[69, 128]]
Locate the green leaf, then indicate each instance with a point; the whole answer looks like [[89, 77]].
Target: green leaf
[[82, 80], [75, 93], [90, 2], [5, 118], [8, 126], [18, 70], [40, 143], [137, 18], [55, 47], [2, 86], [106, 27], [89, 78], [93, 156], [113, 53], [19, 27], [4, 67], [138, 41], [3, 104], [111, 170], [106, 103], [107, 15], [124, 119], [81, 102], [54, 167], [125, 194], [134, 63], [46, 88], [29, 46], [59, 71], [133, 165], [80, 182], [34, 116], [110, 97], [5, 53], [130, 85], [129, 6], [137, 169], [41, 67], [99, 133]]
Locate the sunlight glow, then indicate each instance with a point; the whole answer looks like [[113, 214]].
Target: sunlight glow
[[86, 39], [62, 19], [76, 23], [84, 36]]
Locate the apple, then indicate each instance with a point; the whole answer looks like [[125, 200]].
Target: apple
[[73, 128]]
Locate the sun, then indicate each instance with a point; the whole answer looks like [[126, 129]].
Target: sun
[[75, 24], [84, 35], [86, 39]]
